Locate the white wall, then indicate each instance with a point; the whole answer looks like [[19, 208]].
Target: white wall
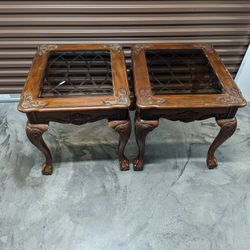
[[243, 76]]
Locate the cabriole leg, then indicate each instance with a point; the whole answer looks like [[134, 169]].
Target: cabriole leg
[[142, 128], [228, 127], [123, 128], [34, 133]]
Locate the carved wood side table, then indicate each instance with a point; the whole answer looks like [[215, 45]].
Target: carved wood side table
[[184, 82], [76, 84]]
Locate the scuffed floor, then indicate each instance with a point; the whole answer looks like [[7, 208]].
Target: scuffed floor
[[175, 203]]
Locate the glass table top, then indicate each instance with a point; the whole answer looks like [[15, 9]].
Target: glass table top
[[77, 73], [181, 72]]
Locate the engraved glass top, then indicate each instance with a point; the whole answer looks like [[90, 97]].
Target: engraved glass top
[[181, 72], [77, 73]]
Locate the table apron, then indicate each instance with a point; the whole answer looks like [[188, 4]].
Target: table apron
[[188, 114], [77, 117]]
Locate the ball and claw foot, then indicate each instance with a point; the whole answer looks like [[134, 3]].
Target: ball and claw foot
[[124, 164], [212, 163], [123, 128], [138, 164], [34, 133], [142, 128], [228, 127], [47, 169]]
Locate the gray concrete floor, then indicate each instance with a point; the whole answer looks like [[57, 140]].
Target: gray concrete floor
[[175, 203]]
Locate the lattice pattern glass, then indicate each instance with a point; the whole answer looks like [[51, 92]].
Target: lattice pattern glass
[[181, 72], [77, 73]]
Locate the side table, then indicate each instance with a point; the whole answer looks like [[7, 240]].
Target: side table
[[184, 82], [77, 84]]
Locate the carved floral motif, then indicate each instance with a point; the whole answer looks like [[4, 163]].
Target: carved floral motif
[[147, 98], [139, 47], [121, 99], [207, 47], [42, 49], [115, 47], [28, 102], [232, 95]]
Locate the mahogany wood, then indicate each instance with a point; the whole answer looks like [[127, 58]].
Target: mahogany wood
[[123, 128], [76, 109], [149, 107], [183, 107], [142, 128], [34, 133], [228, 126]]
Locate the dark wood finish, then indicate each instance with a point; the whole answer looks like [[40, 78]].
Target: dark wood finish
[[142, 128], [30, 95], [123, 128], [228, 126], [34, 133], [76, 109], [184, 107]]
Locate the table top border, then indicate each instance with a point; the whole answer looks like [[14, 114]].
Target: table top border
[[30, 100], [145, 99]]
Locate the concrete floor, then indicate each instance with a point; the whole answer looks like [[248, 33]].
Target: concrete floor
[[175, 203]]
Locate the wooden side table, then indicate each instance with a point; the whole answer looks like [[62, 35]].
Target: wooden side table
[[184, 82], [76, 84]]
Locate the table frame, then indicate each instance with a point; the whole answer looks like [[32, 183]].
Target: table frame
[[183, 107], [76, 110]]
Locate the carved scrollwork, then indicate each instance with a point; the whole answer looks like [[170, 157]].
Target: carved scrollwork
[[28, 102], [188, 115], [139, 47], [121, 99], [231, 96], [34, 133], [120, 127], [42, 49], [206, 46], [146, 126], [147, 98], [115, 47], [123, 128], [142, 128], [228, 127], [37, 131]]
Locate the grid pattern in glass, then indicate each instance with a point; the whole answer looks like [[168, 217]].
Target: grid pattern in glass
[[77, 73], [181, 72]]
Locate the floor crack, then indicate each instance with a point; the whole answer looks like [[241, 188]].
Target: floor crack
[[184, 167]]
